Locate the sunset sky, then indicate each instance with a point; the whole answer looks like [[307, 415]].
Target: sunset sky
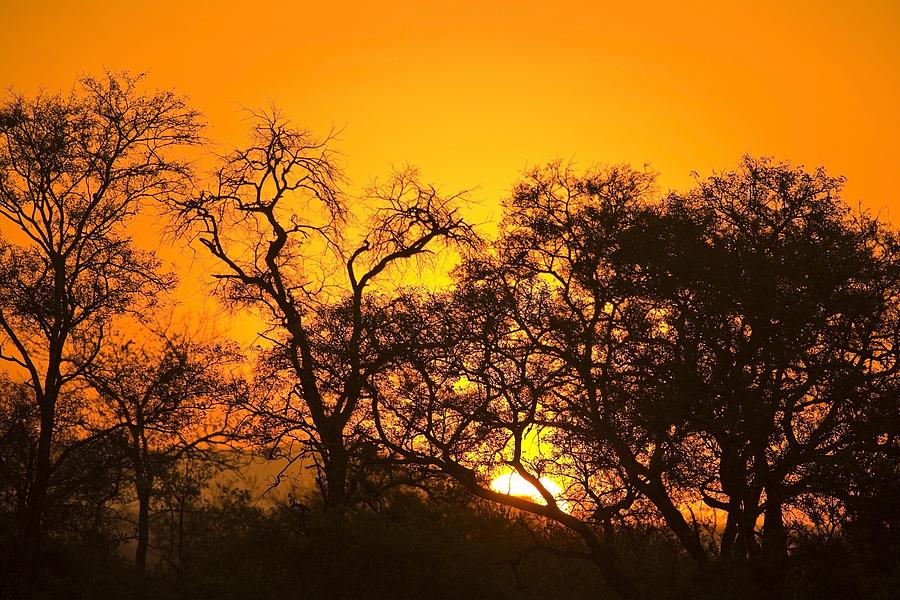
[[727, 403], [473, 92]]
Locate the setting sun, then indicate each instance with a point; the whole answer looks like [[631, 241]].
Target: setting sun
[[514, 484]]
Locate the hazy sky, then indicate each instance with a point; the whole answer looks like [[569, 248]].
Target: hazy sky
[[473, 92]]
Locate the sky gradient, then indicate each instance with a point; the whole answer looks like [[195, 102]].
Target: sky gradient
[[474, 92]]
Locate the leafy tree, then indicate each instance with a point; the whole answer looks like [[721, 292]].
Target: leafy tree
[[85, 484], [18, 420], [780, 305], [165, 399], [534, 373], [713, 351], [180, 493], [73, 171]]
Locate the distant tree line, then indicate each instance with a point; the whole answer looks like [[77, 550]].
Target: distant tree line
[[716, 369]]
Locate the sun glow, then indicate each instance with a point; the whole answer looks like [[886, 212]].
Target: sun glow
[[514, 484]]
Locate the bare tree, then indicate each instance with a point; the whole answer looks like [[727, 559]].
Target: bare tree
[[73, 171], [278, 226], [170, 397]]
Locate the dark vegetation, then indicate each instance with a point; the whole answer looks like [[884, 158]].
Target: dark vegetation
[[710, 376]]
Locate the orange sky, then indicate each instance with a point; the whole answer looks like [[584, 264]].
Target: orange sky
[[473, 92]]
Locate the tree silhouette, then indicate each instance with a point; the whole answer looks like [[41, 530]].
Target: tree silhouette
[[533, 350], [278, 227], [166, 399], [86, 476], [780, 306], [719, 347], [73, 170]]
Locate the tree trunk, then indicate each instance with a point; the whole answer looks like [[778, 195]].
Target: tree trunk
[[611, 573], [334, 465], [35, 504], [674, 518], [774, 539], [729, 533], [143, 487], [650, 483], [733, 478]]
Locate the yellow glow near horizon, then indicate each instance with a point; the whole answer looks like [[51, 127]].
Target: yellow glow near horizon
[[514, 484]]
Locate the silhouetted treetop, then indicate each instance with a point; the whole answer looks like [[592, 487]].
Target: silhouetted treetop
[[706, 351], [284, 241], [73, 170]]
